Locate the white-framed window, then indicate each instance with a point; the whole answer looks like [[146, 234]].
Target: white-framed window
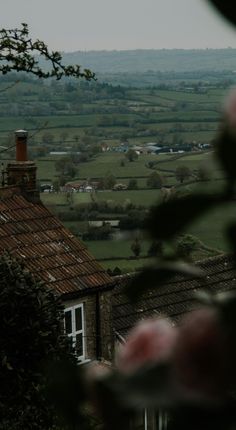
[[75, 329]]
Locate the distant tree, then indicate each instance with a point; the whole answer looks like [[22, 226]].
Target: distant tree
[[62, 180], [31, 338], [202, 174], [98, 233], [19, 53], [182, 173], [69, 197], [151, 164], [66, 167], [133, 184], [186, 245], [56, 185], [136, 247], [131, 155], [155, 249], [116, 271], [133, 220], [154, 180], [122, 163], [109, 181]]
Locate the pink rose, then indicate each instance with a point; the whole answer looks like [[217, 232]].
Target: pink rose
[[200, 357], [230, 108], [93, 373], [150, 341]]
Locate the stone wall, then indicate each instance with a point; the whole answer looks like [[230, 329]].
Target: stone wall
[[106, 325]]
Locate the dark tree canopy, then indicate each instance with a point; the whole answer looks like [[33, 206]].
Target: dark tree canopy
[[182, 173], [136, 247], [18, 52], [154, 180], [31, 337], [131, 155]]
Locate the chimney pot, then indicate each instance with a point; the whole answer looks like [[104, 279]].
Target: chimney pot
[[21, 133], [21, 145]]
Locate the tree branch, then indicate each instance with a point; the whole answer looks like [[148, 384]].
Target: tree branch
[[19, 53]]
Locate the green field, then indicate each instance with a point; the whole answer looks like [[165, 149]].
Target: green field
[[62, 199], [137, 197], [210, 229], [80, 119], [106, 249], [110, 113], [111, 162]]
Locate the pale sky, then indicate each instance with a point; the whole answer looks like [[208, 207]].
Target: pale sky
[[73, 25]]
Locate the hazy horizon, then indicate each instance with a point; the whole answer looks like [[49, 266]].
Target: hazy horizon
[[149, 49], [122, 25]]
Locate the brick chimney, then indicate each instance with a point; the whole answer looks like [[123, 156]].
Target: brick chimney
[[22, 173]]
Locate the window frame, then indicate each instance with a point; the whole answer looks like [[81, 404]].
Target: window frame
[[75, 332]]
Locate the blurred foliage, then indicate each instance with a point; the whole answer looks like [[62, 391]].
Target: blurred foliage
[[32, 340], [226, 8]]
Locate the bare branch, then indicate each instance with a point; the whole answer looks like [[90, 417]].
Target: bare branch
[[19, 53]]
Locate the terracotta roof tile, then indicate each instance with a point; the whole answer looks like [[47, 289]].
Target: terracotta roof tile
[[49, 251]]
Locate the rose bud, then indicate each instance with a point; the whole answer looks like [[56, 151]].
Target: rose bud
[[151, 341], [200, 358]]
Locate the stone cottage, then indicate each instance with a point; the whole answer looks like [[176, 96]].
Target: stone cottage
[[29, 231]]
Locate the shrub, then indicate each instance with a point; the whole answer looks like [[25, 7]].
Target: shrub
[[31, 324], [136, 247], [186, 245], [133, 184], [182, 173], [155, 249], [154, 180]]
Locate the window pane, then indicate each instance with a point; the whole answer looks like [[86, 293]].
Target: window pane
[[79, 345], [68, 322], [78, 319]]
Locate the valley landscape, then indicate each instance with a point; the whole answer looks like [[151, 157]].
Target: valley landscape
[[108, 150]]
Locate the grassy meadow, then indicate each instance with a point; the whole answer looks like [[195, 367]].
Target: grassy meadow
[[63, 117], [117, 252]]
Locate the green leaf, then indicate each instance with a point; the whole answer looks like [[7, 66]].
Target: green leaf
[[170, 218], [231, 234], [148, 386], [225, 148], [226, 302]]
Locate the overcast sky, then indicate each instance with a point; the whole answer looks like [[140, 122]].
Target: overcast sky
[[72, 25]]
